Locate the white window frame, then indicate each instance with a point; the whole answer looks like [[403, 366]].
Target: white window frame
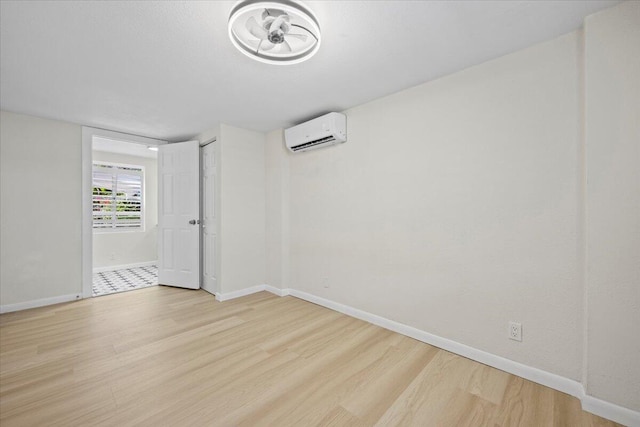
[[139, 229]]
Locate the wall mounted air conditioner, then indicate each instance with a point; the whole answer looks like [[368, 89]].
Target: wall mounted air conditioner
[[320, 132]]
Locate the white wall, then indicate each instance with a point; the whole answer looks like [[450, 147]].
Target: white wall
[[40, 201], [453, 208], [130, 247], [277, 210], [613, 204], [510, 190], [242, 208]]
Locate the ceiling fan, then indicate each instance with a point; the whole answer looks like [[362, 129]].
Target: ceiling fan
[[275, 32]]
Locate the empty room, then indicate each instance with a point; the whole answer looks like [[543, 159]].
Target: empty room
[[320, 213]]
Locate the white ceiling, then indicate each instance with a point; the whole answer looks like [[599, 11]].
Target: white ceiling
[[168, 70]]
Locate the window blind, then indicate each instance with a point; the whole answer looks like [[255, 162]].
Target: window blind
[[117, 196]]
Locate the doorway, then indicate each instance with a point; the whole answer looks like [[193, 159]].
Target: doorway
[[119, 228], [125, 216]]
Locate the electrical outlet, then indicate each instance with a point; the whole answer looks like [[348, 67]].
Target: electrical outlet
[[515, 331], [325, 282]]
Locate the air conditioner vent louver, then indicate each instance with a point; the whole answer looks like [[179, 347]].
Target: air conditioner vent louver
[[320, 132], [312, 143]]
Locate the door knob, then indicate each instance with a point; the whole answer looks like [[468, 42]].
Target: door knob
[[192, 222]]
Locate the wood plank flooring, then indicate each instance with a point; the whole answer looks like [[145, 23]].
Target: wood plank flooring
[[170, 357]]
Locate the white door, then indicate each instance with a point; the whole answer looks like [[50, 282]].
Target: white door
[[208, 205], [178, 213]]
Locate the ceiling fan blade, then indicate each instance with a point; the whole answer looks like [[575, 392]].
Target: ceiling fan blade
[[301, 37], [277, 23], [255, 29], [273, 12], [285, 47], [265, 45]]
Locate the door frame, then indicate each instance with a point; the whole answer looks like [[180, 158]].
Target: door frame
[[216, 209], [87, 166]]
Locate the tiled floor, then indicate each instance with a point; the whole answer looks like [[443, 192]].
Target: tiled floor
[[110, 282]]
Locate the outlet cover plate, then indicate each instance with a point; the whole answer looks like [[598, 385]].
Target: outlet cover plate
[[515, 331]]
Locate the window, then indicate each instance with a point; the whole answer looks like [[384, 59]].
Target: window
[[117, 197]]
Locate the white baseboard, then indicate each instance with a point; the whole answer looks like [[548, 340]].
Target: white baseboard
[[124, 266], [252, 290], [241, 293], [610, 411], [8, 308], [277, 291], [574, 388]]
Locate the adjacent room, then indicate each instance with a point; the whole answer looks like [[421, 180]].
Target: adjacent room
[[124, 194], [320, 213]]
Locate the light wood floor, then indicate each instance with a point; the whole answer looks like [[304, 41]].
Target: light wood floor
[[169, 357]]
